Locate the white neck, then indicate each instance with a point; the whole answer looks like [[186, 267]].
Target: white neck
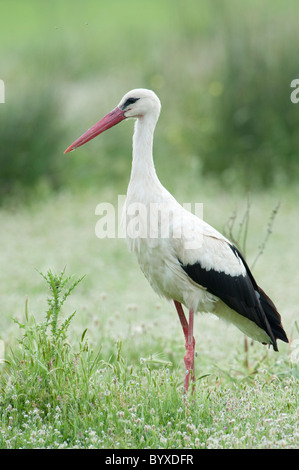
[[143, 168]]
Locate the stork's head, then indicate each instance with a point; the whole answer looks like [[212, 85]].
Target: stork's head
[[139, 103]]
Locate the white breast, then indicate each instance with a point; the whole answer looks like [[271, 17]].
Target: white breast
[[162, 233]]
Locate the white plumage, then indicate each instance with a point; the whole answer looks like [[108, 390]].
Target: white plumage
[[184, 259]]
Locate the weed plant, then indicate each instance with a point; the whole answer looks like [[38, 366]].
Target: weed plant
[[45, 367]]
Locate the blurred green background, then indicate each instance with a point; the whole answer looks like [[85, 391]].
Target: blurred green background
[[221, 68]]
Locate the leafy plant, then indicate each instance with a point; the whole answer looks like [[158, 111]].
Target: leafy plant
[[45, 355]]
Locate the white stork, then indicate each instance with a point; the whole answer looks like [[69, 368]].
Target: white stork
[[184, 259]]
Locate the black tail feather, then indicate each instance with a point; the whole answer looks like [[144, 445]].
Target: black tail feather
[[273, 318], [273, 324]]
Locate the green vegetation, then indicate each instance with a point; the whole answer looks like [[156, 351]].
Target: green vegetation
[[222, 70], [111, 374], [57, 395]]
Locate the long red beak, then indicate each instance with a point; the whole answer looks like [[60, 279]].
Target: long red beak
[[110, 120]]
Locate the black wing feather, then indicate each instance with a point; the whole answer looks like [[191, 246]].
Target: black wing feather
[[242, 294]]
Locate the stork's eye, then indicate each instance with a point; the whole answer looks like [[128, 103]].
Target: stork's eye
[[130, 101]]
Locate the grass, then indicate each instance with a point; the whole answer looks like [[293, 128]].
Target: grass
[[58, 395], [111, 375]]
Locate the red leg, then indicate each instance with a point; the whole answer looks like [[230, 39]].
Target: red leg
[[189, 344], [182, 318]]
